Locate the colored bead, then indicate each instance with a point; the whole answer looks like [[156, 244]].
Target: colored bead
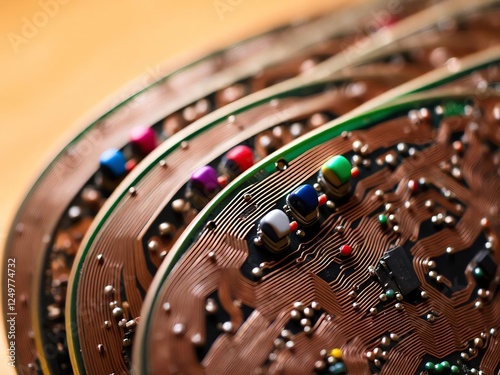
[[382, 219], [294, 226], [322, 199], [438, 368], [144, 139], [337, 170], [458, 146], [454, 369], [130, 165], [478, 272], [345, 250], [390, 293], [205, 180], [113, 162], [453, 109], [485, 223], [355, 172], [429, 366], [413, 186], [337, 369], [222, 180], [446, 365], [336, 353]]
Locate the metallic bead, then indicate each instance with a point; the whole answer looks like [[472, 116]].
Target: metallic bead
[[196, 339], [117, 312], [257, 272], [108, 289], [227, 327], [286, 334], [315, 305], [211, 306], [178, 329], [295, 315], [165, 229], [298, 306], [356, 146], [153, 245], [308, 312], [305, 322]]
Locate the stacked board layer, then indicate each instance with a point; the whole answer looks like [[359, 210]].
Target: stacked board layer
[[320, 199]]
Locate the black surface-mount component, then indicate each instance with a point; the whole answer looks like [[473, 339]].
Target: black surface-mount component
[[395, 271]]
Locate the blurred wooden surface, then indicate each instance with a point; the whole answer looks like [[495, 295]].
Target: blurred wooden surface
[[61, 58]]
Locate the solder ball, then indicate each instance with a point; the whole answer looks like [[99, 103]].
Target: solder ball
[[117, 312]]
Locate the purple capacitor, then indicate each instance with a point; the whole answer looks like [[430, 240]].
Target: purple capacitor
[[204, 180]]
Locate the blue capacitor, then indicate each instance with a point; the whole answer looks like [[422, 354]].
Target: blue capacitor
[[113, 162], [303, 199], [337, 369]]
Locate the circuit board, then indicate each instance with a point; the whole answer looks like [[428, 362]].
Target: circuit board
[[73, 189], [245, 84], [311, 262], [118, 341], [165, 197], [84, 207]]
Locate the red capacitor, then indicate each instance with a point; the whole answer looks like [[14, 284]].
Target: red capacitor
[[242, 156]]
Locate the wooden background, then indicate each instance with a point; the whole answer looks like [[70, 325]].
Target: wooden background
[[62, 60]]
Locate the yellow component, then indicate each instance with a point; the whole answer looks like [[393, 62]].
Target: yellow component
[[330, 176], [336, 353]]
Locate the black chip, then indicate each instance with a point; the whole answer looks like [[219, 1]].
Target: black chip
[[487, 263], [395, 271]]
